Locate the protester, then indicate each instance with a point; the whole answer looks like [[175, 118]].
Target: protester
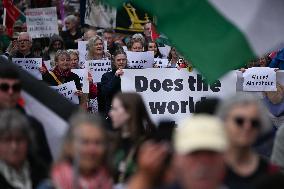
[[245, 119], [108, 36], [110, 82], [24, 49], [19, 167], [62, 72], [83, 162], [135, 45], [72, 33], [74, 58], [10, 97], [130, 117], [90, 33], [152, 46], [173, 58], [199, 143], [56, 43], [95, 49]]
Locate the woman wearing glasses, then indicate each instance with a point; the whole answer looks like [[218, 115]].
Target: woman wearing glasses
[[245, 119]]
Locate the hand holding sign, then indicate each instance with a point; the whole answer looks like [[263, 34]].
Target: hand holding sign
[[119, 72]]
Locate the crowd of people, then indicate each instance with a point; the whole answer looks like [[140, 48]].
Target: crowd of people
[[116, 144]]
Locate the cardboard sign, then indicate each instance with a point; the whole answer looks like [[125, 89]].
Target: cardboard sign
[[97, 68], [138, 60], [173, 94], [42, 22], [82, 48], [31, 65], [83, 75], [68, 90], [259, 79], [161, 62]]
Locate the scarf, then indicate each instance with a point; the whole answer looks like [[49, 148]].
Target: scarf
[[18, 179], [61, 74], [63, 178]]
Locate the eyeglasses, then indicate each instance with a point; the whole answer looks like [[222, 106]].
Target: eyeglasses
[[23, 41], [15, 87], [240, 121]]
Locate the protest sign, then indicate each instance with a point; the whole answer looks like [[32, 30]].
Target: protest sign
[[259, 79], [161, 62], [82, 48], [165, 51], [97, 68], [83, 75], [68, 90], [138, 60], [31, 65], [42, 22], [180, 90]]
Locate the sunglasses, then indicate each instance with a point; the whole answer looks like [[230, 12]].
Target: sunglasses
[[240, 121], [5, 87]]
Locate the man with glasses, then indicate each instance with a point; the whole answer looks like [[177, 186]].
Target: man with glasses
[[24, 49], [10, 97]]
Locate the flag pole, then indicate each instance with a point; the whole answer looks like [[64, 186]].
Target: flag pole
[[4, 18]]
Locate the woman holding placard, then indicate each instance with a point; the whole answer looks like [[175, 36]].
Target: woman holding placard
[[95, 48], [110, 83], [152, 46], [62, 72]]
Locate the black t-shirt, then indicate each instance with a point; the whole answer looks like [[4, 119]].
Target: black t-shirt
[[235, 181]]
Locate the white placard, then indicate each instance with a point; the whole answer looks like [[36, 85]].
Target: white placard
[[83, 75], [138, 60], [47, 65], [82, 48], [173, 94], [42, 22], [165, 51], [97, 68], [31, 65], [161, 62], [259, 79], [68, 90]]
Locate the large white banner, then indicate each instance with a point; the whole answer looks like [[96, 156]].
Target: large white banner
[[139, 60], [42, 22], [31, 65], [99, 14], [97, 68], [173, 94]]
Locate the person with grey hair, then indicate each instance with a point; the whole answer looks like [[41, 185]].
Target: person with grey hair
[[19, 168], [72, 34], [245, 118], [83, 160]]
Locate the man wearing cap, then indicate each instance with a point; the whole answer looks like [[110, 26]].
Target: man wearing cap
[[199, 144]]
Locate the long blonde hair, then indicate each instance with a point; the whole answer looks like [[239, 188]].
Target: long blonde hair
[[91, 45]]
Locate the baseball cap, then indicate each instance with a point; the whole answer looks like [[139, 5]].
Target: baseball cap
[[200, 132]]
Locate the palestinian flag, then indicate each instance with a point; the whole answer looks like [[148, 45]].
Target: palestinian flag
[[12, 15], [218, 35], [46, 105]]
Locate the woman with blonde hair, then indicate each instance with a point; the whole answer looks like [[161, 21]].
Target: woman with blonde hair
[[96, 50]]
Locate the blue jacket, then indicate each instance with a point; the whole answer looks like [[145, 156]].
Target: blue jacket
[[278, 61]]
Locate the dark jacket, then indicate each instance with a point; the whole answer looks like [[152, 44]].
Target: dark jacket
[[110, 85], [20, 55], [38, 173], [69, 39], [47, 77]]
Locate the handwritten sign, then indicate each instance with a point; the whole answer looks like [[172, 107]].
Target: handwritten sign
[[98, 67], [259, 79], [138, 60], [82, 48], [161, 62], [68, 90], [83, 75], [31, 65], [42, 22], [48, 65]]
